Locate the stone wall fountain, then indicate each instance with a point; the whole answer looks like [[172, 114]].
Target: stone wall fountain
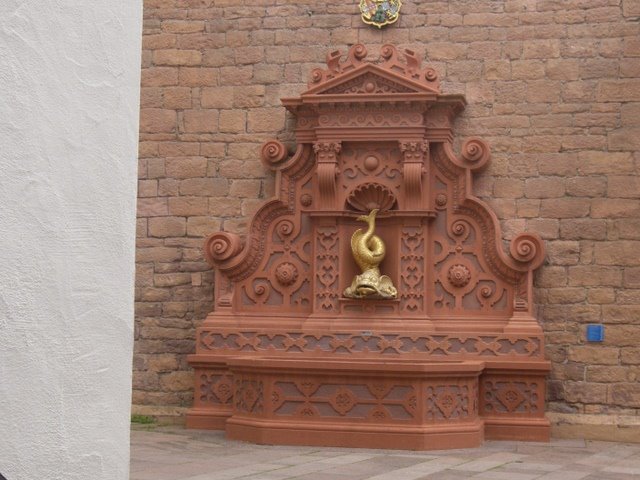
[[302, 350]]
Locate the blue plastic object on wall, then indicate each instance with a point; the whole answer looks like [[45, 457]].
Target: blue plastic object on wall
[[595, 333]]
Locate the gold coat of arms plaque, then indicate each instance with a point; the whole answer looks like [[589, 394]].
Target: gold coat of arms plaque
[[380, 12]]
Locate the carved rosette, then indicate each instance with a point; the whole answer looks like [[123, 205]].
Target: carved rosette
[[459, 276], [286, 274], [306, 200]]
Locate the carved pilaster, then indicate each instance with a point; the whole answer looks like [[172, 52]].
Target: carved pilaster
[[327, 169], [527, 249], [414, 154], [327, 269]]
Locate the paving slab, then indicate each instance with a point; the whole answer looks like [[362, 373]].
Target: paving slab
[[174, 453]]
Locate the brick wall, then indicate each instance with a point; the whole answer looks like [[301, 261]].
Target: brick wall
[[553, 86]]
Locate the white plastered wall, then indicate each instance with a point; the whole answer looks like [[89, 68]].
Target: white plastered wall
[[69, 99]]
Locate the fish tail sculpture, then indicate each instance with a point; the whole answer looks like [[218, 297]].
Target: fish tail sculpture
[[368, 251]]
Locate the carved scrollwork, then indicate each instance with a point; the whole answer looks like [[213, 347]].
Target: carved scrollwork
[[284, 228], [250, 257], [430, 74], [317, 74], [460, 229], [221, 246], [485, 292], [464, 280], [475, 153], [380, 166], [273, 154], [259, 293], [407, 64], [411, 67], [527, 248], [389, 52], [356, 54]]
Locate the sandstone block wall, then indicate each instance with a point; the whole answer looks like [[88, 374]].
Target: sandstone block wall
[[553, 86]]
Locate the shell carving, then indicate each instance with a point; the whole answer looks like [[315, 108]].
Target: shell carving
[[371, 196]]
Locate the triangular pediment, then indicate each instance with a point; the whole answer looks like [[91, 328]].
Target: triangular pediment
[[371, 79]]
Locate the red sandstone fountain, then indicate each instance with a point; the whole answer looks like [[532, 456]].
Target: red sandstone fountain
[[302, 349]]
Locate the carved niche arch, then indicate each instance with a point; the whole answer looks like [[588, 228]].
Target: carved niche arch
[[373, 134]]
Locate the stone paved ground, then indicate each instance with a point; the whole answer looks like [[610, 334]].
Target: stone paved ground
[[172, 453]]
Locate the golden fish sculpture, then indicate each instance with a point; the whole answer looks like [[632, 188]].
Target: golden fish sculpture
[[368, 251]]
